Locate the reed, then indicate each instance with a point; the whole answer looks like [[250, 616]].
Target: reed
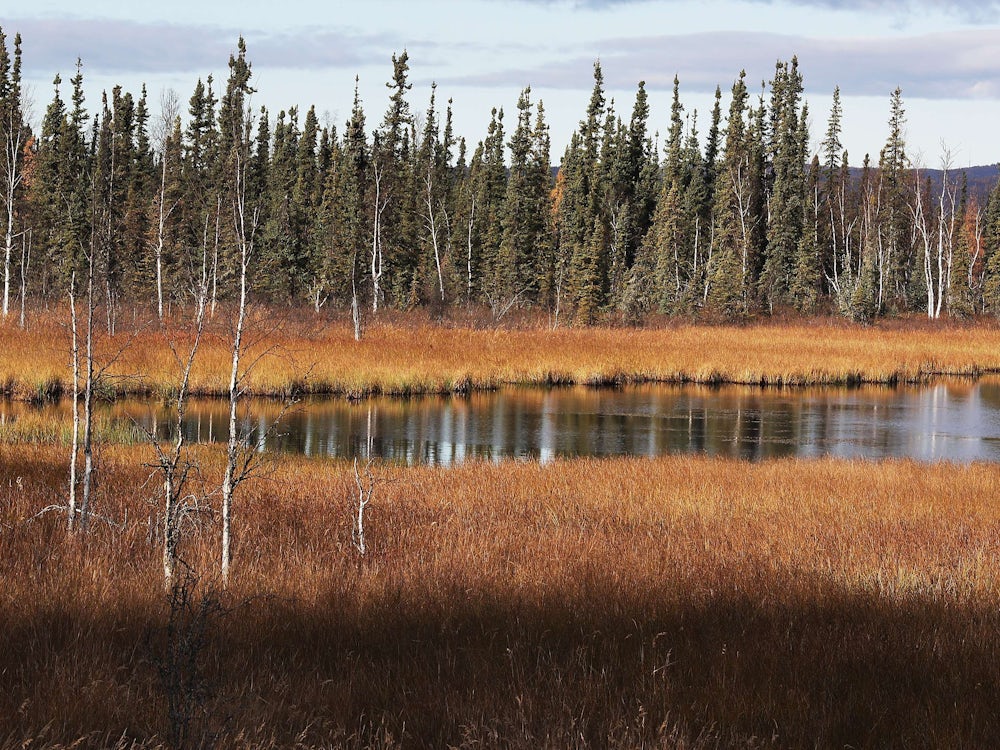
[[675, 602], [407, 355], [43, 426]]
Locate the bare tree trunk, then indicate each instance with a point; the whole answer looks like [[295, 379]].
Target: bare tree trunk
[[170, 463], [364, 497], [215, 253], [8, 249], [376, 259], [158, 252], [472, 222], [25, 261], [708, 261], [921, 228], [75, 440], [12, 181], [355, 308], [110, 294], [947, 216], [88, 404], [245, 227], [365, 482], [432, 228], [229, 480]]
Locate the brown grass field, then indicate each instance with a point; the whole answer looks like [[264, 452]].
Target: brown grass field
[[406, 354], [678, 603]]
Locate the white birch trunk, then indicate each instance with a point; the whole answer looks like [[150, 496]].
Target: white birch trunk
[[74, 450]]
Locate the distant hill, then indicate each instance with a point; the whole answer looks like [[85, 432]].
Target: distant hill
[[982, 179]]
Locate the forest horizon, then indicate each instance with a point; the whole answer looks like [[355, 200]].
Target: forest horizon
[[730, 214]]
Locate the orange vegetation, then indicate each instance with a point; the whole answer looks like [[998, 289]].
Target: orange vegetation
[[313, 354], [675, 602]]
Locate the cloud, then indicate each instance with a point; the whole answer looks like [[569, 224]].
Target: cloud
[[955, 64], [120, 46], [972, 10]]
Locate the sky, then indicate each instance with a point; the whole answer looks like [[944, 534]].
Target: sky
[[944, 54]]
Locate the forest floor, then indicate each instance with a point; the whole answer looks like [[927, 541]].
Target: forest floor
[[405, 354], [670, 602]]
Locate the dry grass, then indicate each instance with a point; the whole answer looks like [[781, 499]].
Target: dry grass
[[677, 602], [412, 355]]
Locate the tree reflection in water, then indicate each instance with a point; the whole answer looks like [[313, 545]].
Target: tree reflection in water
[[952, 420]]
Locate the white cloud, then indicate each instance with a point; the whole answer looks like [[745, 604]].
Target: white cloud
[[125, 46], [953, 64]]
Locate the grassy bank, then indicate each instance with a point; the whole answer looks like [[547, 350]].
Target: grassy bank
[[406, 355], [677, 602]]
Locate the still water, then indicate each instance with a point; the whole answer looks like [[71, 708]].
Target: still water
[[949, 420]]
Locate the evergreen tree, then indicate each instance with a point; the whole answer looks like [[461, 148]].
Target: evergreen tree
[[805, 287], [432, 172], [960, 294], [488, 176], [60, 190], [787, 159], [524, 217], [991, 242], [281, 240], [731, 274], [582, 223], [398, 254], [895, 257], [345, 217], [202, 214]]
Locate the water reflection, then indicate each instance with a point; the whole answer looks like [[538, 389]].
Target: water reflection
[[958, 421]]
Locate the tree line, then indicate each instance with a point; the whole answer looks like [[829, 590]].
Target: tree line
[[742, 220]]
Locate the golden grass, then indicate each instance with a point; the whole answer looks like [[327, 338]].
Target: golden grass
[[411, 355], [675, 602]]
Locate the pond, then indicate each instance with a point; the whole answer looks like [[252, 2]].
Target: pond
[[948, 420]]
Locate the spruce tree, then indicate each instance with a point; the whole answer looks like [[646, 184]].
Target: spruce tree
[[960, 299], [734, 216], [203, 216], [524, 217], [895, 261], [991, 242], [345, 219], [805, 287], [787, 159], [582, 220], [488, 175]]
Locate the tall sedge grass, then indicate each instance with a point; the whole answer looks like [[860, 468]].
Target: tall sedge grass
[[52, 427], [675, 602], [410, 355]]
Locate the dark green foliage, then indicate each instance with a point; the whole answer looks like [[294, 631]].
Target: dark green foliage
[[523, 248], [743, 220], [805, 286], [734, 253], [789, 141]]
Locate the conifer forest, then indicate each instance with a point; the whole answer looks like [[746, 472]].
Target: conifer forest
[[730, 212]]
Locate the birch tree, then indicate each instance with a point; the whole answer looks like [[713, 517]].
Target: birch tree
[[171, 461], [167, 197], [935, 226], [12, 140], [236, 121]]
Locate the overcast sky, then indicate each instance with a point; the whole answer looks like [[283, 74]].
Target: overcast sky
[[945, 54]]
